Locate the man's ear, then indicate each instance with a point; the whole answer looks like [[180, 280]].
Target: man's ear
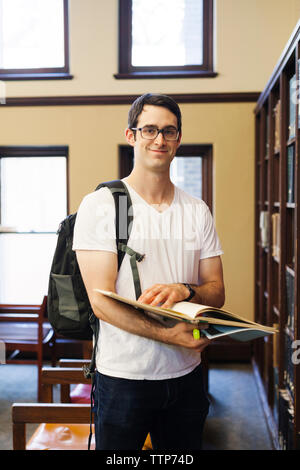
[[179, 140], [130, 136]]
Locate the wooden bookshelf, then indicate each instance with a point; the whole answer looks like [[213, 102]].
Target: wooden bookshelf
[[277, 249]]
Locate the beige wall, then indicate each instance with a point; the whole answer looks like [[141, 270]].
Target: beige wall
[[249, 39]]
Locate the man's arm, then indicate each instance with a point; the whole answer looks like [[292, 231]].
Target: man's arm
[[210, 292], [99, 270]]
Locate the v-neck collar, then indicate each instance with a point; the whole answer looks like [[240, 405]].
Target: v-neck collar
[[150, 205]]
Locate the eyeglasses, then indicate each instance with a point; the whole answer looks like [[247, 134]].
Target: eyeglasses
[[149, 132]]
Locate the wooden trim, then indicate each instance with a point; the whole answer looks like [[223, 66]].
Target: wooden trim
[[185, 73], [33, 151], [50, 413], [63, 375], [36, 76], [105, 100]]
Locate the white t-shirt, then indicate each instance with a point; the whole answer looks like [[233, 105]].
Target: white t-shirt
[[173, 241]]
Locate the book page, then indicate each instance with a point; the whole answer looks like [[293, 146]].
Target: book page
[[188, 308]]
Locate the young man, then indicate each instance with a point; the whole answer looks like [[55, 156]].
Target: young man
[[149, 377]]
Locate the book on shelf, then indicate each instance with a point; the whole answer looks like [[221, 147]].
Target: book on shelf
[[292, 106], [267, 135], [276, 346], [276, 235], [277, 127], [276, 394], [290, 299], [290, 174], [264, 228], [220, 322]]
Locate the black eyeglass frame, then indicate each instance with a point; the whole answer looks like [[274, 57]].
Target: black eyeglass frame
[[159, 131]]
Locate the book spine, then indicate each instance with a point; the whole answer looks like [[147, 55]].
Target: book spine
[[292, 106], [264, 229], [267, 135], [276, 235], [290, 300], [277, 127], [290, 174]]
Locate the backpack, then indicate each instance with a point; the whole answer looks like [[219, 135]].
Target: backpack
[[69, 309]]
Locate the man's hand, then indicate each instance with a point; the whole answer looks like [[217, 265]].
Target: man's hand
[[182, 335], [164, 295]]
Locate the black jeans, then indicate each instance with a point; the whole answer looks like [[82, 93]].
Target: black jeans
[[172, 410]]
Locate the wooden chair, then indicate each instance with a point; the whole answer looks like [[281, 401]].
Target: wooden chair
[[55, 435], [74, 417], [24, 328], [62, 426]]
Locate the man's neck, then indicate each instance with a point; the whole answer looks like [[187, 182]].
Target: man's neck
[[154, 188]]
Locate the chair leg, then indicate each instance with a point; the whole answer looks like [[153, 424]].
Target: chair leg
[[39, 378], [19, 436], [53, 352]]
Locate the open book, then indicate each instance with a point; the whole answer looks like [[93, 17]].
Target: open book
[[220, 322]]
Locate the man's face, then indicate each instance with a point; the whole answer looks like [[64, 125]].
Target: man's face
[[156, 154]]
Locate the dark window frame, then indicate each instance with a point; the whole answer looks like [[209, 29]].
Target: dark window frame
[[205, 151], [126, 70], [50, 73]]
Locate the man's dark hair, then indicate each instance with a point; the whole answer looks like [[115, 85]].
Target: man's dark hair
[[154, 100]]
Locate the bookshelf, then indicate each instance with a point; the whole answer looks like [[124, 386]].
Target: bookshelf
[[277, 249]]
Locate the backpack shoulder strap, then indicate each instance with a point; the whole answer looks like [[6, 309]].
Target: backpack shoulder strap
[[124, 213]]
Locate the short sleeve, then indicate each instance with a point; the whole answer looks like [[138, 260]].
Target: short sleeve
[[210, 245], [95, 222]]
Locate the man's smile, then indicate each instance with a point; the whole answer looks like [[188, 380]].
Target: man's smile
[[158, 150]]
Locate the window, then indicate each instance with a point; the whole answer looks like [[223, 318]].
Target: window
[[34, 39], [33, 201], [165, 38], [191, 169]]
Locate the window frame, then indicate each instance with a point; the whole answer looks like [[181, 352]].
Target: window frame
[[49, 73], [127, 70], [205, 151]]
